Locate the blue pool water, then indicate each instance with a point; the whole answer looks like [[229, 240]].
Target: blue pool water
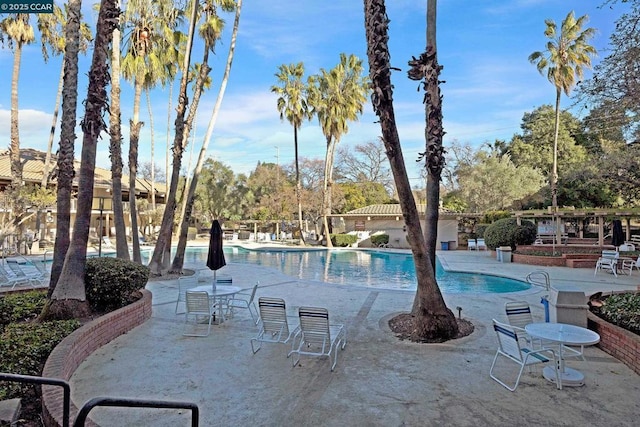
[[362, 268]]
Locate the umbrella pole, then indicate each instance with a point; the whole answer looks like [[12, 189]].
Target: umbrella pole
[[214, 279]]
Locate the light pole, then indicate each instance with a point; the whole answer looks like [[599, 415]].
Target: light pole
[[101, 207]]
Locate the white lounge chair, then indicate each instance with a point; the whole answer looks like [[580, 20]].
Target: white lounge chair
[[316, 336], [519, 316], [480, 244], [27, 275], [509, 348], [273, 326], [200, 310], [472, 245], [608, 261], [185, 283], [629, 264], [245, 300]]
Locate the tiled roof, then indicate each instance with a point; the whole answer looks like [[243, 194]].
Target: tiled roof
[[33, 167], [389, 210]]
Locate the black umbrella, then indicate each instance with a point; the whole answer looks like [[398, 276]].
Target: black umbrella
[[617, 235], [215, 258]]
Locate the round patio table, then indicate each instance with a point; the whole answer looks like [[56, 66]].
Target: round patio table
[[219, 294]]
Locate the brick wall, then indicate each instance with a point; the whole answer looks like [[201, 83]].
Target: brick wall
[[71, 352], [618, 342]]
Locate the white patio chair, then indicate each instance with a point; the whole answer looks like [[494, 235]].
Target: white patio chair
[[200, 310], [472, 245], [273, 326], [509, 348], [519, 316], [185, 283], [629, 264], [245, 300], [316, 336], [31, 276], [480, 244], [608, 261]]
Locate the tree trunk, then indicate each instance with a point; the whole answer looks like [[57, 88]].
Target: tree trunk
[[134, 137], [115, 150], [433, 321], [14, 147], [326, 191], [554, 172], [69, 299], [178, 260], [65, 160], [166, 227], [152, 134], [298, 185]]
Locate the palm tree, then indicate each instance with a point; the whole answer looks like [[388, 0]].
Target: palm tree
[[292, 105], [567, 54], [68, 300], [52, 27], [336, 96], [18, 32], [433, 321], [211, 32], [147, 61]]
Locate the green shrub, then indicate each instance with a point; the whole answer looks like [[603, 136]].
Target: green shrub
[[623, 310], [507, 232], [379, 239], [492, 216], [21, 306], [24, 349], [112, 283], [343, 240], [480, 229]]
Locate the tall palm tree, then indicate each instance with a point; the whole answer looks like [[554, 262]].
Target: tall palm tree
[[148, 51], [568, 53], [16, 31], [211, 33], [68, 300], [433, 321], [337, 97], [53, 40], [66, 157], [292, 105]]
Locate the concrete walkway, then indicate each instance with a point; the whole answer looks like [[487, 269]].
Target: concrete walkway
[[379, 380]]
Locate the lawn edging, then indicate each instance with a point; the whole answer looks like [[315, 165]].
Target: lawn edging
[[75, 348], [616, 341]]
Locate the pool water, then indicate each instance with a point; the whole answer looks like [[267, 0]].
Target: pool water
[[374, 269]]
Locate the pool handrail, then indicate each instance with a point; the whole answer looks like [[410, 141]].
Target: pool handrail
[[539, 278]]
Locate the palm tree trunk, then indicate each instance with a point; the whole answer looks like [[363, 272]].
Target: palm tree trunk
[[432, 319], [65, 160], [298, 185], [69, 298], [16, 165], [134, 139], [554, 171], [115, 150], [178, 260], [164, 236], [153, 175], [326, 191]]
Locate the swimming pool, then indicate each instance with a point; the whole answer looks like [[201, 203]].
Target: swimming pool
[[372, 269]]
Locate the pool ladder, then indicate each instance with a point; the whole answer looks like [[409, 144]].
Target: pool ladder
[[539, 278]]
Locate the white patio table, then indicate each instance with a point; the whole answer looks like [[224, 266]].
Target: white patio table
[[218, 295], [563, 334]]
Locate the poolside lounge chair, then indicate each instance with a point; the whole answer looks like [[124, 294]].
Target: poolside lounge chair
[[185, 283], [480, 244], [316, 336], [272, 324], [28, 275], [200, 310], [509, 347], [608, 261], [245, 300], [472, 245]]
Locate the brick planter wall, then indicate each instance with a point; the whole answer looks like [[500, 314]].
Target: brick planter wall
[[546, 261], [618, 342], [75, 348]]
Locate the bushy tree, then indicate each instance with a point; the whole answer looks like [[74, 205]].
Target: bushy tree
[[507, 232]]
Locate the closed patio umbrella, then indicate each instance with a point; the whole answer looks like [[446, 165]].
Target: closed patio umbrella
[[617, 235], [215, 257]]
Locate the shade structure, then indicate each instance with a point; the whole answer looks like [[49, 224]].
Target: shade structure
[[215, 258], [617, 235]]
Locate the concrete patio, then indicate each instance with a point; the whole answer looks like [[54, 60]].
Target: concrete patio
[[379, 380]]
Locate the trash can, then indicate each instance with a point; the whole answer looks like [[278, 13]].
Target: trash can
[[568, 305], [453, 245], [444, 246], [503, 253]]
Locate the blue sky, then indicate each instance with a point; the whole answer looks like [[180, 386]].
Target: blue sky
[[483, 46]]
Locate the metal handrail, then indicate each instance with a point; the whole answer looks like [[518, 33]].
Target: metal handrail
[[135, 403], [539, 278], [66, 389]]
